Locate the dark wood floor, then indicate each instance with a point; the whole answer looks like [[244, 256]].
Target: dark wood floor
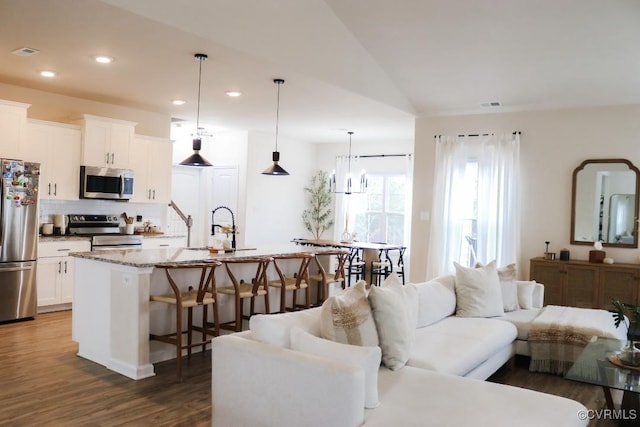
[[43, 382]]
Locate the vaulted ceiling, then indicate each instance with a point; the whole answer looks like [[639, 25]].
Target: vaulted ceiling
[[365, 65]]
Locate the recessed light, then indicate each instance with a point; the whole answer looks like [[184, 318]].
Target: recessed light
[[47, 73], [233, 93], [178, 102], [104, 59]]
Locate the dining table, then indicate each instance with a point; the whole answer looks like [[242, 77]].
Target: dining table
[[368, 252]]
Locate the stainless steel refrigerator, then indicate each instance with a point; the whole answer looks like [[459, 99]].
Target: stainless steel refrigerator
[[18, 239]]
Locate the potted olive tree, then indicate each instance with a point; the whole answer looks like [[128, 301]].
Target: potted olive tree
[[318, 218]]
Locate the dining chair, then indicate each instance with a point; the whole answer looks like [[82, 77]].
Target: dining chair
[[355, 266]]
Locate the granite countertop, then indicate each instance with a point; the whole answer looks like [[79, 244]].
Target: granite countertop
[[160, 235], [144, 258], [64, 238]]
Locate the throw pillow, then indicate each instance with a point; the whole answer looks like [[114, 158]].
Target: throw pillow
[[347, 317], [366, 357], [478, 291], [509, 296], [395, 310], [525, 294], [509, 289]]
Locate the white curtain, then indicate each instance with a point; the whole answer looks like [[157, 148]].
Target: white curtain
[[498, 226]]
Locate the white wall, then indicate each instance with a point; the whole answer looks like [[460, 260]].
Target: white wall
[[553, 144], [275, 203]]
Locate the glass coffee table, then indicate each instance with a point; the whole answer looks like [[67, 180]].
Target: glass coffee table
[[593, 367]]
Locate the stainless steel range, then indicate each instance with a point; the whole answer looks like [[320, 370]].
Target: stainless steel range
[[104, 231]]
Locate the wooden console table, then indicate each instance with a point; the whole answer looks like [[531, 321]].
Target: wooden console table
[[583, 284]]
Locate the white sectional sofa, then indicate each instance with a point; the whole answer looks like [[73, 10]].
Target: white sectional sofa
[[259, 380]]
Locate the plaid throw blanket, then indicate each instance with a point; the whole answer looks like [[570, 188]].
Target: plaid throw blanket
[[559, 334]]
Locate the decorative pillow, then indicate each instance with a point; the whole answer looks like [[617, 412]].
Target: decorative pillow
[[347, 317], [366, 357], [509, 296], [507, 276], [436, 300], [395, 310], [525, 294], [478, 291]]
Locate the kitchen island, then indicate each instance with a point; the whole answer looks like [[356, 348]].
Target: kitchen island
[[112, 315]]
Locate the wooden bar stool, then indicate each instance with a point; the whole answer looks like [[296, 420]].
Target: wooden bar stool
[[204, 295], [241, 290], [323, 278], [299, 280]]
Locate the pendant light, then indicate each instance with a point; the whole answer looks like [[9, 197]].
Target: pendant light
[[349, 189], [196, 159], [276, 169]]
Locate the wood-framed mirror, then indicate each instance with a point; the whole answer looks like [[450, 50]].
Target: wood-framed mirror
[[604, 204]]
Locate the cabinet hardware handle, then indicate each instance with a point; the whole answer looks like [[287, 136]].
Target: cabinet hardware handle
[[63, 249], [65, 267], [6, 270], [55, 189], [107, 159], [59, 267], [113, 156], [154, 194], [49, 192], [149, 194]]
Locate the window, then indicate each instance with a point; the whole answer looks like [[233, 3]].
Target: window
[[379, 214], [469, 223], [475, 205]]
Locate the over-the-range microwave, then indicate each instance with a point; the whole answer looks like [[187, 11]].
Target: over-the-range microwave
[[106, 183]]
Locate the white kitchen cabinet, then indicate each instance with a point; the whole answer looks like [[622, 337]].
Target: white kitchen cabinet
[[164, 242], [13, 125], [106, 142], [151, 159], [56, 147], [54, 277]]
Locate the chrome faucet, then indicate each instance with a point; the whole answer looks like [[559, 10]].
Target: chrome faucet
[[233, 225]]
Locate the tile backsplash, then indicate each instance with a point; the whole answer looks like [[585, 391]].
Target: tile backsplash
[[156, 213]]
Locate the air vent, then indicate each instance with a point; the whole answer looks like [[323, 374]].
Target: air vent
[[491, 104], [25, 51]]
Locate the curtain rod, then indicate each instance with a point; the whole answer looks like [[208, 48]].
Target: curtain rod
[[478, 134], [383, 155], [364, 156]]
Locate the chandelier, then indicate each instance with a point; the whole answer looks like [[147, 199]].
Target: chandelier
[[346, 184]]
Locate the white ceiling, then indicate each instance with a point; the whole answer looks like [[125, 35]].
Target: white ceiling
[[365, 65]]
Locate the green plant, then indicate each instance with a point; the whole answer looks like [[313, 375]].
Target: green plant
[[629, 314], [317, 218]]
